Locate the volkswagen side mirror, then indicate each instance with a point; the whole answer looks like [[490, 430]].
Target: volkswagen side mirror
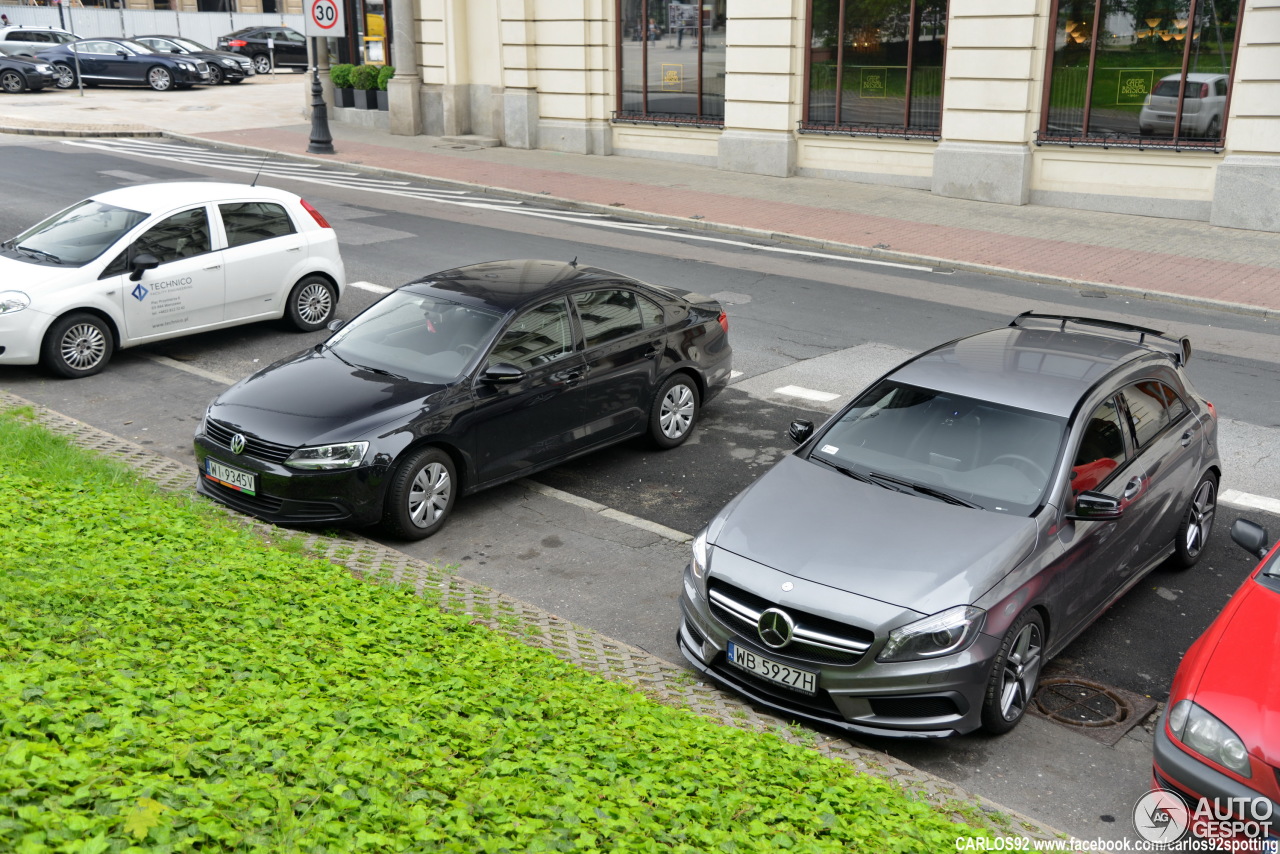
[[502, 374]]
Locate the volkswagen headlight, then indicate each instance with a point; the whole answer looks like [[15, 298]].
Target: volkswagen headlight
[[12, 302], [229, 63], [347, 455], [948, 632], [1208, 736]]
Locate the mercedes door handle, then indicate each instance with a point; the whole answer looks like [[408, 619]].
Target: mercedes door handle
[[1134, 487], [653, 351]]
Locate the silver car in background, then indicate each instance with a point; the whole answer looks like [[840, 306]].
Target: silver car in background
[[910, 568]]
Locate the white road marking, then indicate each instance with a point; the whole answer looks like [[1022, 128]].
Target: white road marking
[[190, 369], [806, 393], [373, 184], [1236, 498], [370, 287], [607, 512]]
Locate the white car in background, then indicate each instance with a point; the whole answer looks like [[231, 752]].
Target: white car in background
[[1203, 106], [156, 261]]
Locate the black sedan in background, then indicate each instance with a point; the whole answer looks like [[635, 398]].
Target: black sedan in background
[[268, 47], [124, 62], [457, 382], [224, 66], [21, 71]]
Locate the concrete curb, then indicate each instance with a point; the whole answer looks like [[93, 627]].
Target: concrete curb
[[660, 680]]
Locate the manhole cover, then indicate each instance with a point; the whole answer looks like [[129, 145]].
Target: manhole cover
[[1100, 711], [1081, 703]]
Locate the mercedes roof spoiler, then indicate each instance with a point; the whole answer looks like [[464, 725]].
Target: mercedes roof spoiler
[[1178, 348]]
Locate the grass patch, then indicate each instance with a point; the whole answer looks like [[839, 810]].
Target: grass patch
[[169, 682]]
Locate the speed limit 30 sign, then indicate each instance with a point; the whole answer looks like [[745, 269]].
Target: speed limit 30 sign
[[324, 19]]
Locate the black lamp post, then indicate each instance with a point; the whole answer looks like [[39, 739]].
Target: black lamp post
[[321, 139]]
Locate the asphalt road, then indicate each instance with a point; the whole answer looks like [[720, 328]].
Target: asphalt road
[[819, 323]]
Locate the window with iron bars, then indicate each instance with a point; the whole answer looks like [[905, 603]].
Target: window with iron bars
[[670, 60]]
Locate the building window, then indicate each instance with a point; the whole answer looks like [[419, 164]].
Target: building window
[[875, 67], [1140, 73], [670, 63]]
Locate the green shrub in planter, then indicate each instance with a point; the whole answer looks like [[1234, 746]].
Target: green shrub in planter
[[341, 76], [384, 75], [364, 80]]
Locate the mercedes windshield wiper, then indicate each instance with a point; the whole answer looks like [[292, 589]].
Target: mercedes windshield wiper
[[846, 471], [932, 492], [40, 253]]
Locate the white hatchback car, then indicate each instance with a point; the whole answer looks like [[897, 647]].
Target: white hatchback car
[[1204, 103], [156, 261]]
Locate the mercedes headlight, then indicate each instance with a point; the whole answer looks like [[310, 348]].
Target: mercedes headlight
[[12, 302], [347, 455], [229, 63], [944, 633], [1208, 736], [698, 563]]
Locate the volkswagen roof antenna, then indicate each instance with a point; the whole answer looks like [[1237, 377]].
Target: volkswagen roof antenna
[[574, 262]]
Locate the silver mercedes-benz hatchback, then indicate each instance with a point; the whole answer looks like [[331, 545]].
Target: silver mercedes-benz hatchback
[[916, 561]]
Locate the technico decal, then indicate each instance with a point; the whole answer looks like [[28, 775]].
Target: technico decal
[[140, 293]]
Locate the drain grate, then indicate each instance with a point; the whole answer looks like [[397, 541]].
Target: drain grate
[[1098, 710]]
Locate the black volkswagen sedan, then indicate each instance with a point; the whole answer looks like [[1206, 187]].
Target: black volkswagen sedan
[[20, 71], [123, 62], [224, 66], [457, 382]]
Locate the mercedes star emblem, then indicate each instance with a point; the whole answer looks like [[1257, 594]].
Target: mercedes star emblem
[[775, 628]]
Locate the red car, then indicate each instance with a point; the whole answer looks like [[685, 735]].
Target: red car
[[1218, 743]]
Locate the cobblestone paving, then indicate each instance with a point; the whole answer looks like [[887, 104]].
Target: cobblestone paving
[[611, 659]]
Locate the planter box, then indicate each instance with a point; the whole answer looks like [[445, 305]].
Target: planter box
[[382, 100], [344, 97], [365, 99]]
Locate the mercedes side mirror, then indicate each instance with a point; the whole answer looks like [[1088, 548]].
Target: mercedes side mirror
[[1096, 507], [800, 430], [1251, 537], [502, 374], [141, 262], [335, 325]]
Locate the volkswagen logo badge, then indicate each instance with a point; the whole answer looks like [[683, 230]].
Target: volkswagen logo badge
[[237, 443], [775, 628]]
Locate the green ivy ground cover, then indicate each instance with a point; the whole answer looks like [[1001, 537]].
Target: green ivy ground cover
[[169, 682]]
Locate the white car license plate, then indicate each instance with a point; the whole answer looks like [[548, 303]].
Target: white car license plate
[[243, 481], [803, 681]]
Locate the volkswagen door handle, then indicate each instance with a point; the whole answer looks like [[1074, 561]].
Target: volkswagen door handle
[[214, 267], [1187, 437], [654, 350], [294, 249]]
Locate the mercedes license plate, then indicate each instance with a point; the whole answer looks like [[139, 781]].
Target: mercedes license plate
[[242, 481], [804, 681]]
